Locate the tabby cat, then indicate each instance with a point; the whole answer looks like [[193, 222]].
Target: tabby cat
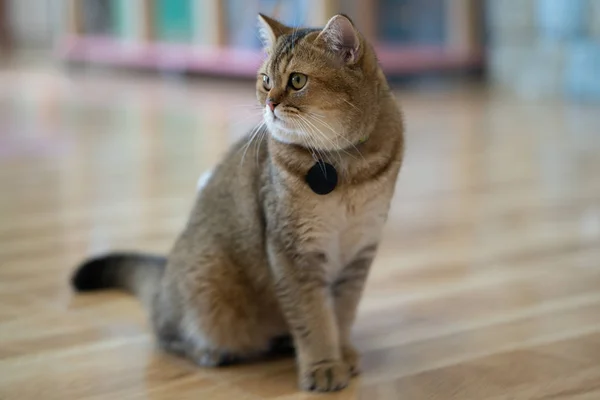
[[279, 244]]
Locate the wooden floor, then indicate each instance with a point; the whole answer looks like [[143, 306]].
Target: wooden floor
[[487, 286]]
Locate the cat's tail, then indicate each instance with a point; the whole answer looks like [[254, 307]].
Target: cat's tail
[[138, 274]]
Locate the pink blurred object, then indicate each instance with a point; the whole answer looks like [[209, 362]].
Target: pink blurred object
[[240, 62]]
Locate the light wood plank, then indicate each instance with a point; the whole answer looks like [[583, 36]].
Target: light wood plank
[[486, 286]]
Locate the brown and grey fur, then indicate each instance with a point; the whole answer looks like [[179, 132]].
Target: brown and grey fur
[[262, 255]]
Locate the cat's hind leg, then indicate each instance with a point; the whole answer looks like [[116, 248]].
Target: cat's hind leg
[[224, 320]]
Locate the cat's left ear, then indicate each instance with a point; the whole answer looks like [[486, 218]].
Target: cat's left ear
[[269, 30], [341, 37]]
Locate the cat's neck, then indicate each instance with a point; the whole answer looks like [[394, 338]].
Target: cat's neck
[[354, 163]]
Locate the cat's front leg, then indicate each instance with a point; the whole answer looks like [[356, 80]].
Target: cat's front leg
[[304, 297], [347, 291]]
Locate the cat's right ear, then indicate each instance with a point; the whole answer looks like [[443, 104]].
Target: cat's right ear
[[269, 30], [341, 38]]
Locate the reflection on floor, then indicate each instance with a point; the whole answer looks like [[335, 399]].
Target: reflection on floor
[[487, 285]]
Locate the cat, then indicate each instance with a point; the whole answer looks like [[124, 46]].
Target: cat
[[279, 244]]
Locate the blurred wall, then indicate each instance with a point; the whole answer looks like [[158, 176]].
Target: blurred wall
[[31, 22], [544, 48]]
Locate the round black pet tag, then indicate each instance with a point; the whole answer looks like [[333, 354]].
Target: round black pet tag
[[322, 178]]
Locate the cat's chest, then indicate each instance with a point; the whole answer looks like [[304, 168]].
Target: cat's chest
[[344, 228]]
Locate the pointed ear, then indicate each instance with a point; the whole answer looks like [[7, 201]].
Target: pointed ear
[[269, 30], [341, 37]]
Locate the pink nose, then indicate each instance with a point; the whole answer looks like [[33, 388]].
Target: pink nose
[[271, 103]]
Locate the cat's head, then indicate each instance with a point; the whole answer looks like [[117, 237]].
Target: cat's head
[[319, 87]]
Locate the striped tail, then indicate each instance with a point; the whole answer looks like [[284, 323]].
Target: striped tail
[[138, 274]]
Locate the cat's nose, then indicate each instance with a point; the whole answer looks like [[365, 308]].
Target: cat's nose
[[271, 103]]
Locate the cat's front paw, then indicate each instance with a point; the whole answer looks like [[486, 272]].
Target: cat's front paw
[[325, 376], [351, 358]]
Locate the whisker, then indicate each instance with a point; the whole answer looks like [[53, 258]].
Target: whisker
[[338, 135], [252, 136], [306, 132], [263, 134], [246, 105], [353, 106], [244, 114], [338, 151], [319, 136], [323, 122], [315, 117], [244, 119], [331, 142], [316, 139], [311, 148]]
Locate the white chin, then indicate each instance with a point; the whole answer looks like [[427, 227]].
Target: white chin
[[282, 133], [285, 136]]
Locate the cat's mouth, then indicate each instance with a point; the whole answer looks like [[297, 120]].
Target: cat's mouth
[[282, 128], [283, 124], [286, 126], [279, 120]]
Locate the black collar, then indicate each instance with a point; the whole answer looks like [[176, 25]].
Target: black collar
[[322, 178]]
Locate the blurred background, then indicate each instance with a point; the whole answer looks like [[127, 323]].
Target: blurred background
[[487, 280], [533, 47], [219, 36]]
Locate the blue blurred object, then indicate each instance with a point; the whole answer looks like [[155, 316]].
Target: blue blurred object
[[562, 19], [552, 49], [412, 22], [173, 20], [583, 70]]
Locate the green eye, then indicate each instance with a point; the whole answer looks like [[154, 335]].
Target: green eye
[[297, 80], [266, 82]]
